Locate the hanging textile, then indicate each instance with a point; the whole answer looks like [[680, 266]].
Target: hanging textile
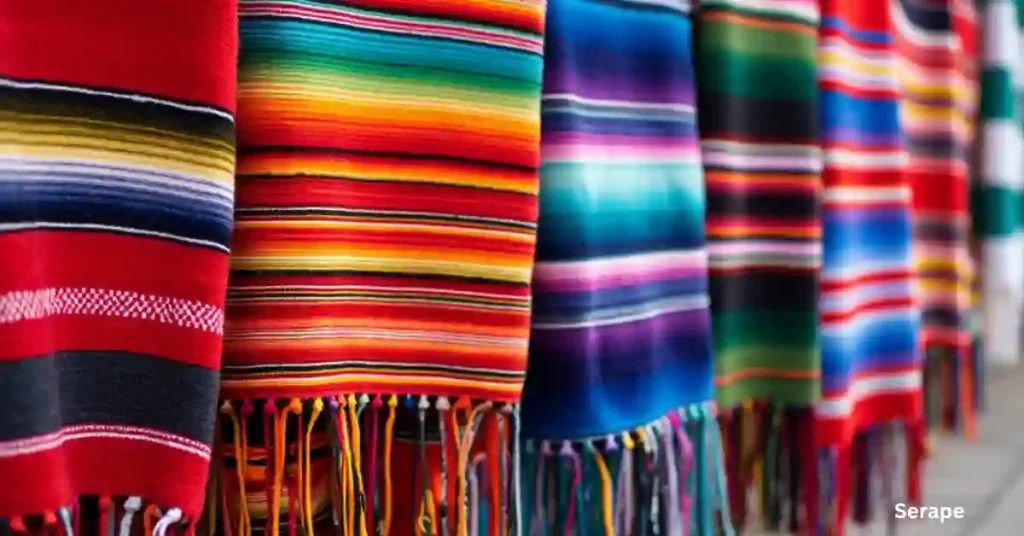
[[934, 44], [871, 364], [620, 356], [116, 180], [998, 205], [384, 242], [757, 88]]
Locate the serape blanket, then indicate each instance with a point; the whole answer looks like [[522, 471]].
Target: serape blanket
[[871, 363], [620, 361], [384, 242], [998, 211], [757, 97], [116, 188], [935, 44]]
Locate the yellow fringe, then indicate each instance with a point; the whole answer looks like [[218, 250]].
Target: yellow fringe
[[318, 407], [241, 459], [350, 492], [357, 458], [389, 428], [606, 495]]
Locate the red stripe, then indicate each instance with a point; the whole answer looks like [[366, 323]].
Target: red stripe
[[41, 259], [343, 351], [284, 314], [48, 480], [390, 283], [319, 240], [60, 259], [369, 195], [867, 414], [182, 50]]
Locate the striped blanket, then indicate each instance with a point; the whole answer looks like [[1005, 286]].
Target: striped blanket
[[758, 92], [871, 365], [386, 221], [620, 347], [116, 178], [934, 43], [757, 85], [998, 209]]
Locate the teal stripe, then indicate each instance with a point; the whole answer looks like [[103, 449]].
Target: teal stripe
[[997, 95], [333, 42], [1001, 211]]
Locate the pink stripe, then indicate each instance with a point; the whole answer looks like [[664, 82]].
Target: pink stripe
[[741, 248], [380, 23], [639, 150], [597, 275]]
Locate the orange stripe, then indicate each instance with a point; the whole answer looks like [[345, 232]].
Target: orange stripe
[[753, 22], [766, 372]]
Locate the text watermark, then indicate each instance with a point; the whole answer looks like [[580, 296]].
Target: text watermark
[[930, 513]]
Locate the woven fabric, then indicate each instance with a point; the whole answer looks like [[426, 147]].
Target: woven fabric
[[620, 349], [871, 366], [757, 86], [116, 184], [387, 177], [934, 117], [620, 320], [386, 224], [998, 208]]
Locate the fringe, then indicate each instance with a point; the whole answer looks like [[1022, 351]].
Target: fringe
[[953, 379], [643, 483], [349, 465], [770, 454]]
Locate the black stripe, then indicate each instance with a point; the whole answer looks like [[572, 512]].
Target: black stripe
[[760, 290], [766, 120], [241, 372], [129, 114], [257, 274], [406, 157], [796, 208], [39, 395]]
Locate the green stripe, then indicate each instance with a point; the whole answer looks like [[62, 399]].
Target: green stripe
[[997, 94], [1000, 211], [757, 77]]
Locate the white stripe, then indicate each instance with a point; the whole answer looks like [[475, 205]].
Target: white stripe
[[586, 101], [864, 388], [865, 160], [44, 225], [142, 99], [31, 445], [806, 10], [1001, 156], [865, 194], [649, 312], [1001, 35], [853, 297]]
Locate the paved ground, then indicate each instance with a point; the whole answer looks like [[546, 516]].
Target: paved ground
[[985, 477]]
